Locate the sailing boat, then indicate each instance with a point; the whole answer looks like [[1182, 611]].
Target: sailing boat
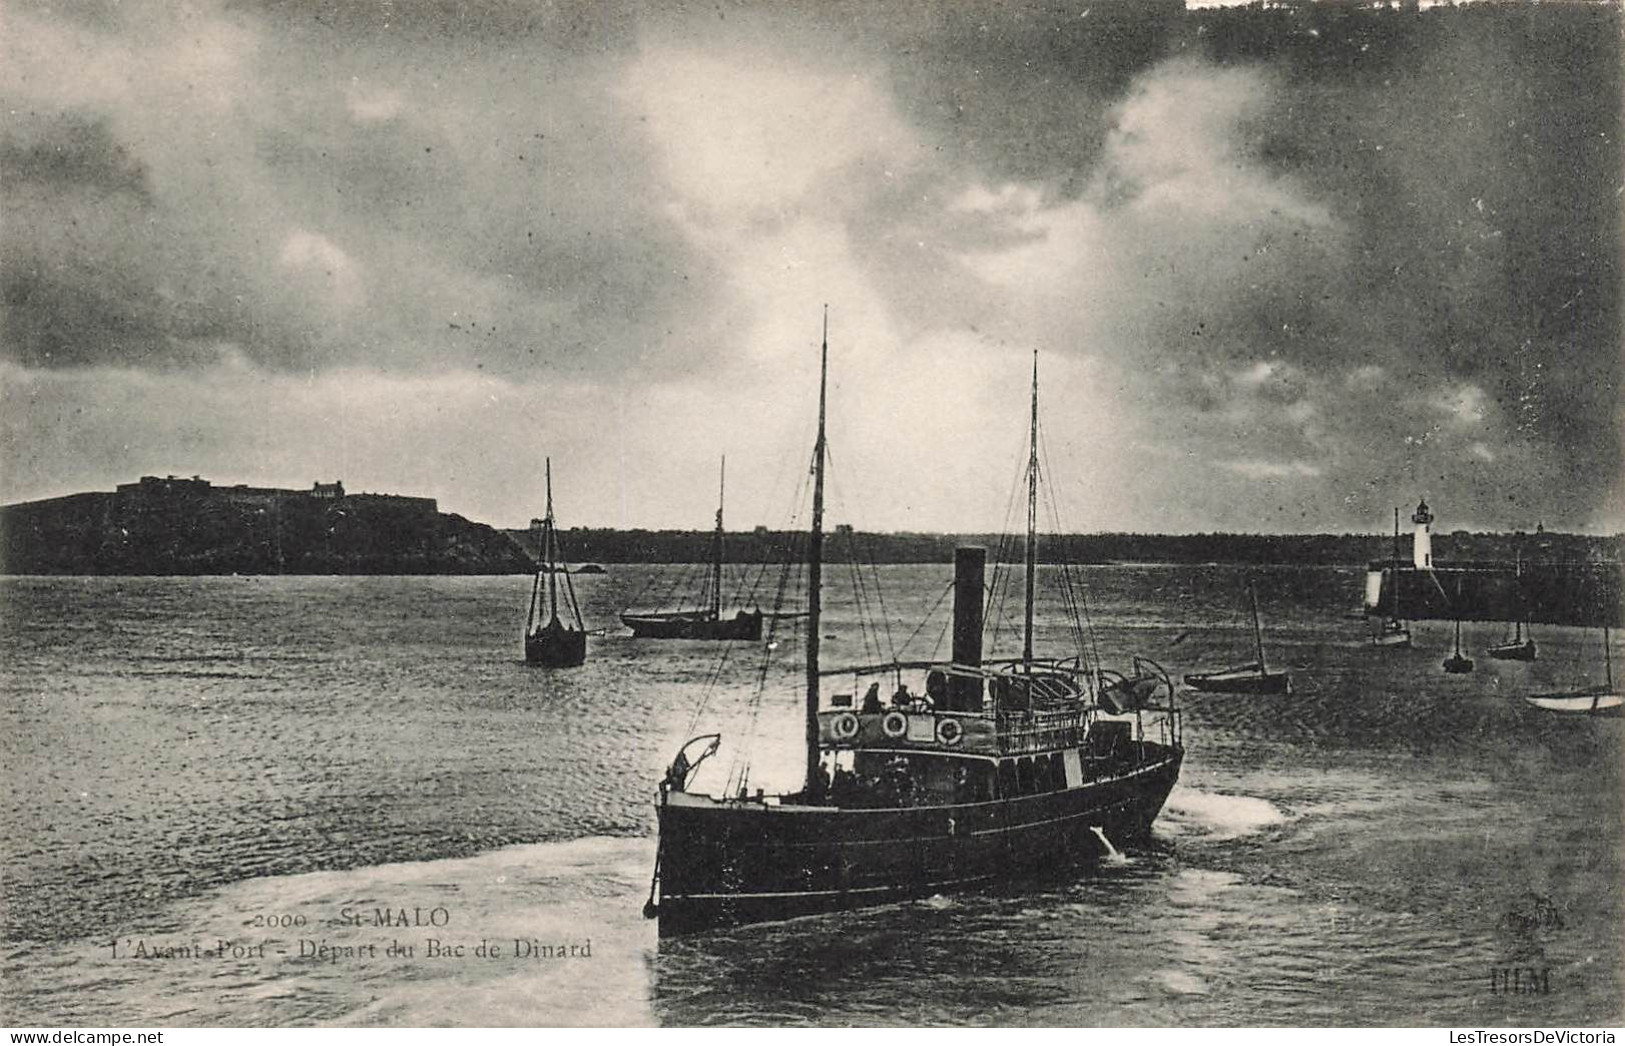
[[706, 623], [1517, 648], [999, 767], [1457, 663], [1251, 678], [1393, 632], [550, 640], [1602, 700]]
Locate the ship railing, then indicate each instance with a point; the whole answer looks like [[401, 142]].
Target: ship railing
[[991, 668], [972, 733], [1041, 732]]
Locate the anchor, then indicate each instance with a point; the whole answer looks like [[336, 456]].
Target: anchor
[[1111, 851]]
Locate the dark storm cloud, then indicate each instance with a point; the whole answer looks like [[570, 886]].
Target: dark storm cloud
[[1330, 257], [413, 197], [1476, 165], [1468, 164], [68, 151], [71, 189]]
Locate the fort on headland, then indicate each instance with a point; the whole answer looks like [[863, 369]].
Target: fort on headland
[[171, 525], [152, 488]]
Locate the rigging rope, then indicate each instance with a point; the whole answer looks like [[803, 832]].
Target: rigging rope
[[998, 588], [1069, 583], [569, 585], [880, 597], [1086, 638], [738, 776], [929, 615]]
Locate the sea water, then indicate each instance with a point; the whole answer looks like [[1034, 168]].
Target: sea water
[[347, 801]]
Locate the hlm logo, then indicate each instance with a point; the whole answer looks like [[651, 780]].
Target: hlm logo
[[1520, 980]]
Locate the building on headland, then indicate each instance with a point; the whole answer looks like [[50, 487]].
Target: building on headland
[[1540, 585], [172, 489], [172, 526]]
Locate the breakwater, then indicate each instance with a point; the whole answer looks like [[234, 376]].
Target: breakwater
[[1554, 593]]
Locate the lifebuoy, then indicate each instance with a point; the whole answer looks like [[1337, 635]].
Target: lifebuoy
[[949, 732], [844, 727], [894, 725]]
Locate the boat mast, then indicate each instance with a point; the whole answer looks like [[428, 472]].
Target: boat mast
[[1396, 564], [1607, 659], [1517, 591], [549, 543], [1258, 631], [815, 567], [716, 561], [1032, 520]]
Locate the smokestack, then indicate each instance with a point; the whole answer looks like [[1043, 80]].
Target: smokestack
[[965, 694]]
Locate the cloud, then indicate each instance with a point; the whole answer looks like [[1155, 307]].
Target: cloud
[[747, 136], [322, 265], [1396, 266], [369, 104], [1271, 469]]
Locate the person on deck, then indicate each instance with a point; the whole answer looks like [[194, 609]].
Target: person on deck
[[871, 700]]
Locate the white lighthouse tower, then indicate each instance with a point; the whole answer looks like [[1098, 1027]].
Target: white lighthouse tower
[[1423, 548]]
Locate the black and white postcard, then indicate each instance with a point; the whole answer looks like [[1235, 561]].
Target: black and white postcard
[[563, 513]]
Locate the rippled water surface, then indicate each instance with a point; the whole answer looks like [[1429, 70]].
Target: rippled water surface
[[281, 763]]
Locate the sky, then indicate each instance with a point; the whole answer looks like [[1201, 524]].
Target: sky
[[424, 247]]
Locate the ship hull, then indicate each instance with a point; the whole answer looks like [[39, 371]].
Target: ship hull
[[1393, 635], [1524, 651], [742, 626], [723, 863], [1600, 702], [1241, 683], [556, 648]]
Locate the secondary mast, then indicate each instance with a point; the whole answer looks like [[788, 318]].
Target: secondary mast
[[1032, 521], [549, 543], [1396, 563], [716, 559], [815, 567], [1258, 630]]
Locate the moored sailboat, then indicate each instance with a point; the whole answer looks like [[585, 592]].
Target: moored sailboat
[[1517, 648], [991, 769], [1252, 678], [1393, 632], [1458, 663], [550, 640], [1603, 700], [707, 622]]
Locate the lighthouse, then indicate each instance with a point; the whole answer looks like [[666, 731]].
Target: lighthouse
[[1423, 548]]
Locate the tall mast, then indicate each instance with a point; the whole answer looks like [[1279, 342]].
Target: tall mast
[[815, 568], [1258, 630], [1607, 658], [1032, 519], [1395, 614], [1517, 593], [549, 543], [716, 561]]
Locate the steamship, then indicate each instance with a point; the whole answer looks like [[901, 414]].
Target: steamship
[[972, 771]]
